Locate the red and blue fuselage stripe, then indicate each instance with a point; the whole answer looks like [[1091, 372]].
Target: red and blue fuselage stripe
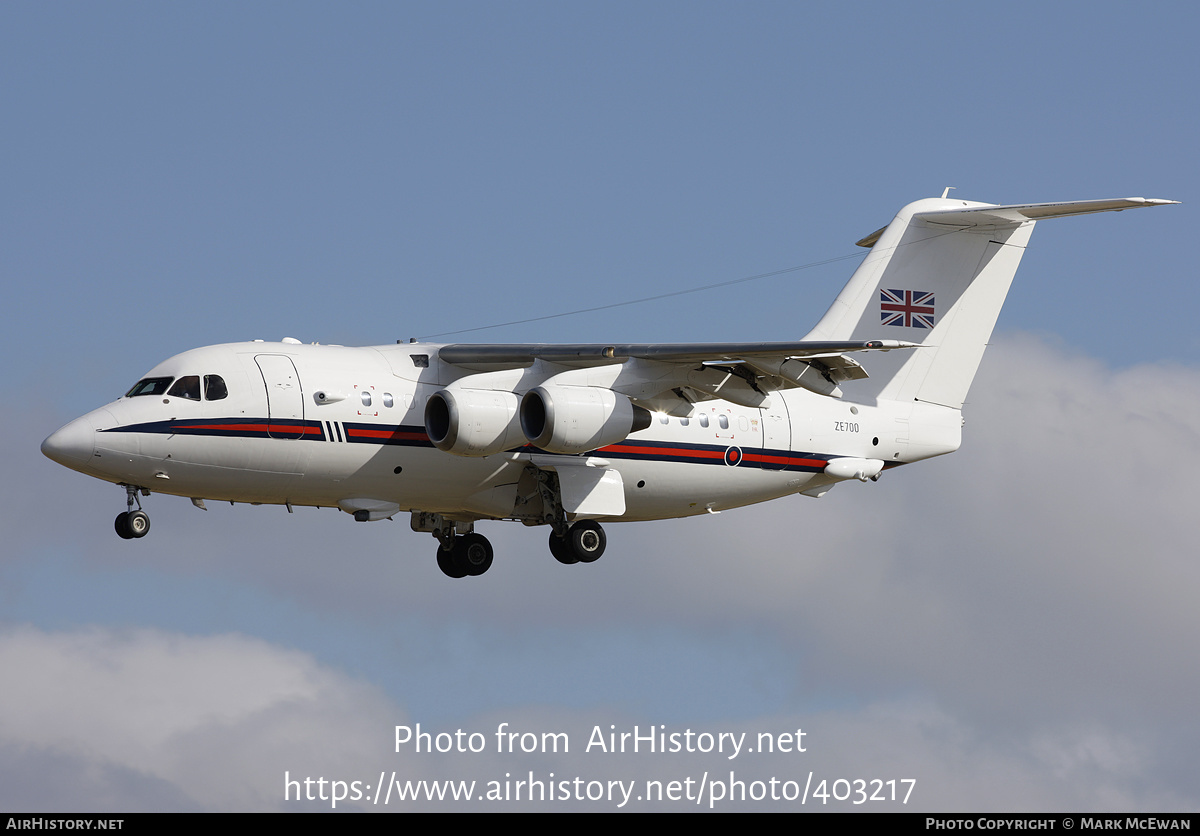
[[230, 428], [414, 436]]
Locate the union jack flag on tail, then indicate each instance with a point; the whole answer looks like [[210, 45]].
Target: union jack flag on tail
[[906, 308]]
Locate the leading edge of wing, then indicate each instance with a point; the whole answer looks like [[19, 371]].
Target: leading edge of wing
[[589, 354]]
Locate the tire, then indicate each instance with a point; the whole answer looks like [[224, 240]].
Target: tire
[[448, 565], [587, 540], [138, 524], [560, 547], [121, 524], [473, 554]]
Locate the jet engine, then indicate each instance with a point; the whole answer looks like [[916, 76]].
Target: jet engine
[[473, 422], [576, 419]]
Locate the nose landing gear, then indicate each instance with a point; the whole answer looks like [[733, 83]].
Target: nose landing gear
[[131, 524]]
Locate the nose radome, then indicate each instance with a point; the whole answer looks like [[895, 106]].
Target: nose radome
[[73, 445]]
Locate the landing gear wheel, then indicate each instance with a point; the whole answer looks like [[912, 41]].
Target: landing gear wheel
[[560, 547], [473, 554], [587, 540], [121, 524], [131, 524], [448, 565], [138, 523]]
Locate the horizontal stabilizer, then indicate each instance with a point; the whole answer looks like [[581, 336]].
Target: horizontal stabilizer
[[1019, 213]]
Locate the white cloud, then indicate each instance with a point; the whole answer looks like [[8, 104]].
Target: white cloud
[[1052, 553], [1014, 625], [216, 719], [145, 720]]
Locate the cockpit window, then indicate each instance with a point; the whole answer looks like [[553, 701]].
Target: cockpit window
[[149, 386], [187, 387], [214, 387]]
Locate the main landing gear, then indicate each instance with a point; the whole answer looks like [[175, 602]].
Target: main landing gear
[[583, 542], [131, 524], [464, 555], [470, 554], [461, 553]]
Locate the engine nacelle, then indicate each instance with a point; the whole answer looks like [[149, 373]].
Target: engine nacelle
[[576, 419], [473, 422]]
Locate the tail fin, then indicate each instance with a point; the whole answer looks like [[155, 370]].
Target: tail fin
[[937, 275]]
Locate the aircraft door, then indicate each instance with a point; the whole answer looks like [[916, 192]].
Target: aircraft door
[[777, 435], [285, 398]]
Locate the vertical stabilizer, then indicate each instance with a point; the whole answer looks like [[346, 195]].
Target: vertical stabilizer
[[937, 276]]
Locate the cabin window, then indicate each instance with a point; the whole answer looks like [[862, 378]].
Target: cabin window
[[186, 387], [366, 398], [387, 400], [723, 420], [664, 419], [703, 420], [214, 388], [149, 386], [684, 422]]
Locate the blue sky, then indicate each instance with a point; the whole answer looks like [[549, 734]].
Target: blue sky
[[179, 175]]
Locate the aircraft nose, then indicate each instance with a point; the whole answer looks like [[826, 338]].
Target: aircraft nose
[[73, 445]]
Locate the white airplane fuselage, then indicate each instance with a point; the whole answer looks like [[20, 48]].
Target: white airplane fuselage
[[270, 441]]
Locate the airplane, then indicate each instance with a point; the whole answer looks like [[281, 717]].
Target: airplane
[[572, 436]]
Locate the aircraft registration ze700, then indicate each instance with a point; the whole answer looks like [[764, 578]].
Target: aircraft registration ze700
[[570, 436]]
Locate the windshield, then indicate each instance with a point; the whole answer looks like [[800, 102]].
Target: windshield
[[214, 387], [149, 386], [186, 387]]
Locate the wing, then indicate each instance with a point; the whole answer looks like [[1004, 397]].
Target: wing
[[758, 367], [508, 355]]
